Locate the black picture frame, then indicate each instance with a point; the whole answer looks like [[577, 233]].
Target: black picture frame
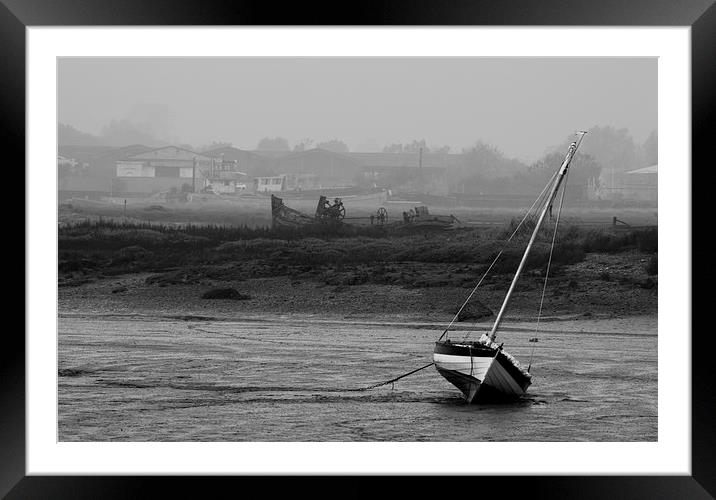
[[700, 15]]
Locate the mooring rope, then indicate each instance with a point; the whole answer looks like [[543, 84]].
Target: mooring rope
[[497, 257], [391, 380]]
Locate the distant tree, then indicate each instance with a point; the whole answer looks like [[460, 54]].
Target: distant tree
[[125, 132], [584, 169], [529, 181], [651, 149], [273, 144], [335, 145], [67, 135], [412, 147], [303, 145], [484, 169], [486, 160], [393, 148], [416, 146], [614, 149], [213, 145]]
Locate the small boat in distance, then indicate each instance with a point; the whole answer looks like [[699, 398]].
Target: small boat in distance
[[419, 218], [483, 370]]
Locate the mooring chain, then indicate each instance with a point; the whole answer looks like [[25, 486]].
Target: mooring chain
[[392, 380]]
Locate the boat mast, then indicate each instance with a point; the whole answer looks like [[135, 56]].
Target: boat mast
[[555, 187]]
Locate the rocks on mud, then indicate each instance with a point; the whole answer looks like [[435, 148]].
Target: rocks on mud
[[648, 284]]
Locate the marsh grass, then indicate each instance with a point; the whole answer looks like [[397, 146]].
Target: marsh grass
[[110, 247]]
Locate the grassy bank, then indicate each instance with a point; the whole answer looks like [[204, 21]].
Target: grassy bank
[[124, 267], [367, 254]]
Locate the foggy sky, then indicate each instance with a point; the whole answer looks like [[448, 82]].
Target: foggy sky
[[522, 106]]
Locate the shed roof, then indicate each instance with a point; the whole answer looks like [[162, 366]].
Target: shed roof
[[101, 154], [265, 153], [232, 153], [646, 170], [169, 153]]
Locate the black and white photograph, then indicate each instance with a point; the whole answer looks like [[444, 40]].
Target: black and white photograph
[[336, 245], [358, 249]]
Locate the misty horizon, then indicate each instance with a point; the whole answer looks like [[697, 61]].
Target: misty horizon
[[522, 106]]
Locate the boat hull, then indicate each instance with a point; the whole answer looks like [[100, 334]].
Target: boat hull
[[480, 372], [284, 216]]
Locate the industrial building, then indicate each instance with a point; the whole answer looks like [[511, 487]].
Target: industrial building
[[163, 169]]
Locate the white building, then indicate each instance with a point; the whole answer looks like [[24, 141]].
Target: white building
[[162, 169], [270, 184]]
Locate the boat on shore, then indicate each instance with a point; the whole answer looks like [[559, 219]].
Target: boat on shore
[[482, 370], [283, 216], [419, 218]]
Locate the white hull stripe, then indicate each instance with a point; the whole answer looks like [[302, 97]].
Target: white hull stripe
[[473, 367]]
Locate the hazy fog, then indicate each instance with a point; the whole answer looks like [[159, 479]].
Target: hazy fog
[[521, 106]]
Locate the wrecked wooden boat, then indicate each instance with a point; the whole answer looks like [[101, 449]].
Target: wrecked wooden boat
[[283, 216], [326, 213]]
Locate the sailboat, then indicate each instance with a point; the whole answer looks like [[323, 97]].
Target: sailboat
[[482, 370]]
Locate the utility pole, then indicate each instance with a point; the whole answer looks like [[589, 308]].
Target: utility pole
[[420, 168], [614, 188], [193, 175]]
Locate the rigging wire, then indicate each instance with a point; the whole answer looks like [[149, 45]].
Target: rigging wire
[[530, 218], [549, 263], [544, 190], [542, 199]]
